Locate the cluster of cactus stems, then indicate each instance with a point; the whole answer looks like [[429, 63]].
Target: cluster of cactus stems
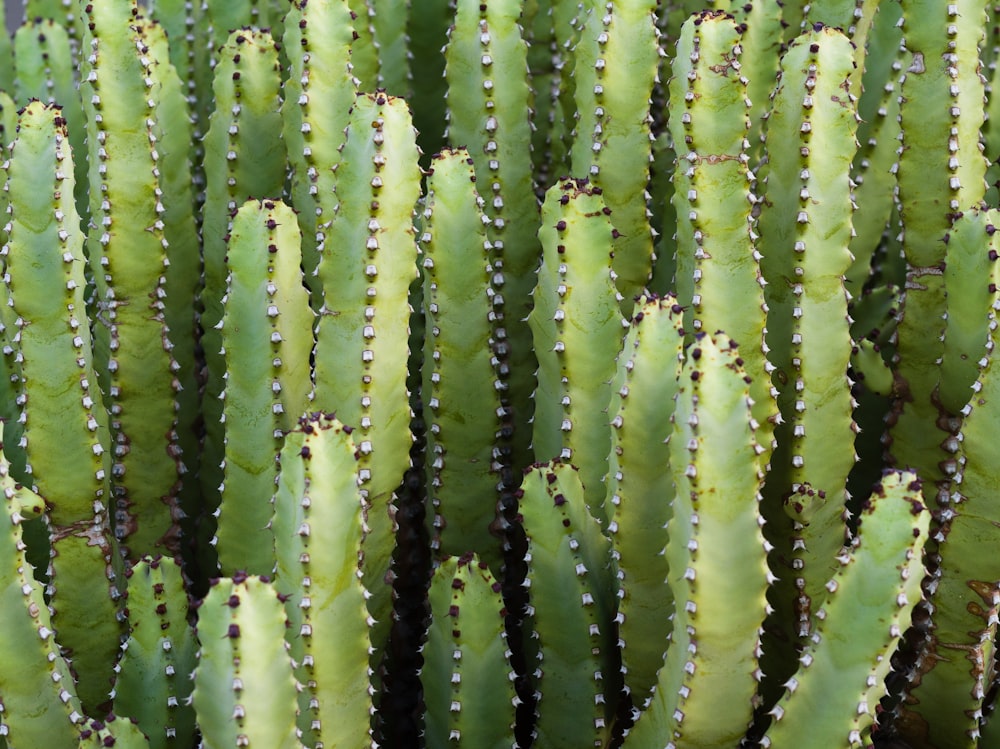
[[500, 373]]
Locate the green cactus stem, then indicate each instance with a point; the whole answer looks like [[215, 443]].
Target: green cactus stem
[[615, 69], [153, 685], [805, 228], [832, 699], [716, 465], [40, 706], [63, 12], [878, 137], [578, 331], [244, 157], [227, 16], [128, 260], [364, 52], [7, 75], [8, 121], [184, 22], [467, 678], [318, 528], [120, 733], [365, 272], [319, 93], [65, 428], [944, 706], [461, 388], [970, 285], [640, 489], [941, 102], [566, 21], [368, 264], [173, 133], [488, 104], [762, 26], [244, 691], [717, 257], [571, 610], [43, 56], [267, 339], [855, 18]]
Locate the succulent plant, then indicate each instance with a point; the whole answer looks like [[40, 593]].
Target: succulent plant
[[644, 398]]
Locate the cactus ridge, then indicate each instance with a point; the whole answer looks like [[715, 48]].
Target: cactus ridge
[[568, 565], [37, 693], [329, 633], [578, 332], [65, 435], [615, 69], [244, 157], [640, 490], [127, 250], [461, 388], [267, 339], [152, 685], [716, 466], [488, 100], [466, 665]]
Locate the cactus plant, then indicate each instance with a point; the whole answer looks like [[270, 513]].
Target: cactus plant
[[311, 439]]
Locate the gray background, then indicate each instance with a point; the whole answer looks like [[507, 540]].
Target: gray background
[[14, 10]]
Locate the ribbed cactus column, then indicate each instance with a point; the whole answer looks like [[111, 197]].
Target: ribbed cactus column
[[762, 26], [318, 94], [719, 281], [267, 340], [467, 679], [616, 63], [428, 30], [44, 59], [855, 18], [578, 332], [488, 105], [318, 528], [945, 706], [941, 172], [833, 699], [127, 254], [244, 157], [364, 50], [554, 95], [878, 142], [40, 706], [184, 22], [65, 439], [244, 690], [154, 685], [173, 133], [462, 402], [640, 487], [970, 278], [368, 264], [717, 559], [805, 229], [572, 610]]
